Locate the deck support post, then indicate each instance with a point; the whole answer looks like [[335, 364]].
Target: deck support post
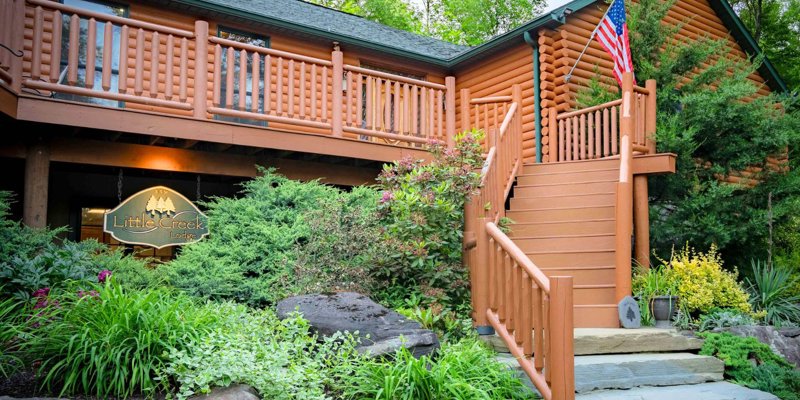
[[450, 110], [641, 221], [624, 217], [37, 177], [562, 350], [338, 76], [201, 69]]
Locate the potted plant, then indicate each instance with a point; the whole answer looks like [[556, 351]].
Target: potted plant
[[656, 293]]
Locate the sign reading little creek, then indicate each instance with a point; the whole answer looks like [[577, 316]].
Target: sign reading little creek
[[158, 217]]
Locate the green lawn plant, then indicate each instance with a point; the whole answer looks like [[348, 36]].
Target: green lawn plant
[[462, 370]]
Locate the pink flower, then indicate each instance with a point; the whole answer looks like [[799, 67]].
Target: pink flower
[[387, 197], [103, 275], [40, 293]]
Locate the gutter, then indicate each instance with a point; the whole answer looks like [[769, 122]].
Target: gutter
[[537, 97]]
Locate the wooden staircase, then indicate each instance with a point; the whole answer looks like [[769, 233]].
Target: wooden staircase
[[564, 221]]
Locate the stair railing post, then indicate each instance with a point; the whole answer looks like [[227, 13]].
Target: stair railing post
[[201, 69], [562, 376], [552, 134], [450, 110], [464, 110], [516, 96], [624, 217], [479, 277], [336, 86], [650, 116]]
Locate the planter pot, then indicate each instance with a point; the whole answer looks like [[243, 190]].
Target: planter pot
[[663, 308]]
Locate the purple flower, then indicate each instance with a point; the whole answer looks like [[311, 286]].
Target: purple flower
[[103, 275], [43, 292], [387, 197]]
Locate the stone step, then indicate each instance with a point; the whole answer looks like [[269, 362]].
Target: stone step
[[625, 371], [702, 391], [592, 341]]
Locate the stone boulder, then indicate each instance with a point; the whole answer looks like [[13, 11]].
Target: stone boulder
[[233, 392], [785, 342], [381, 330]]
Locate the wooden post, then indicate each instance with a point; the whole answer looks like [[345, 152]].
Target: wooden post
[[562, 353], [516, 97], [479, 273], [338, 75], [641, 221], [37, 176], [450, 110], [464, 110], [650, 116], [552, 133], [17, 44], [201, 69], [624, 217]]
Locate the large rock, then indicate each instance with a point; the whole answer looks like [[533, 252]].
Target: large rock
[[381, 330], [785, 342], [234, 392]]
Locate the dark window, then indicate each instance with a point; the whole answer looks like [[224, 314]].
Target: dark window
[[233, 103], [99, 7]]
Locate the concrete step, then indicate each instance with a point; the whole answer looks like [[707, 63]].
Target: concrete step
[[625, 371], [582, 200], [702, 391]]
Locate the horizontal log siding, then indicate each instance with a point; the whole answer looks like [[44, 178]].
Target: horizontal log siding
[[495, 76], [560, 48]]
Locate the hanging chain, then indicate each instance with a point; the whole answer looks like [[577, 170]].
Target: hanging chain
[[119, 186], [198, 188]]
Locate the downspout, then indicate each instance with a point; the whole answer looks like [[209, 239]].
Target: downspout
[[537, 98]]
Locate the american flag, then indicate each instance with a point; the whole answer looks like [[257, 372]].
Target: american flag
[[612, 33]]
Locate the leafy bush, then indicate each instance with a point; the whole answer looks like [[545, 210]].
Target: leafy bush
[[278, 358], [651, 282], [251, 252], [702, 283], [448, 325], [723, 318], [343, 246], [770, 292], [752, 363], [422, 212], [463, 370], [31, 259], [110, 342]]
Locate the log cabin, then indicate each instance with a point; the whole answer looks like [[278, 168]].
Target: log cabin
[[99, 99]]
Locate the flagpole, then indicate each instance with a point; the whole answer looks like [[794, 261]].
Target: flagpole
[[591, 37]]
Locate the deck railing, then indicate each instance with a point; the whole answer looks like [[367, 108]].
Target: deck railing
[[128, 63], [529, 311], [594, 132]]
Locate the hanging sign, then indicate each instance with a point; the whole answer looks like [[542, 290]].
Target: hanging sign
[[158, 217]]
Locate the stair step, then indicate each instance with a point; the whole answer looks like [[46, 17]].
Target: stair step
[[593, 294], [603, 275], [562, 214], [625, 371], [576, 242], [567, 259], [577, 227], [565, 189], [571, 166], [587, 199], [643, 340], [704, 391], [568, 176]]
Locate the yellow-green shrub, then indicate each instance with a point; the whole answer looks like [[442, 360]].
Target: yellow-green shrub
[[702, 283]]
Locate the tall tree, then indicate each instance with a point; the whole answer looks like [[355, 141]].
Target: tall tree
[[473, 22], [395, 13]]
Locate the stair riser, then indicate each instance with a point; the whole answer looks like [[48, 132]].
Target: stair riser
[[566, 214], [603, 276], [593, 296], [533, 203], [596, 317], [581, 176], [570, 166], [566, 243], [562, 260], [566, 228], [565, 190]]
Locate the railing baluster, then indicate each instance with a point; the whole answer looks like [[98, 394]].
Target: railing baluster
[[154, 44], [397, 119], [267, 84], [590, 136], [302, 90], [582, 136], [415, 111], [614, 130], [74, 47], [108, 50], [124, 46], [255, 81], [423, 113], [290, 90], [168, 72], [370, 103], [183, 90], [492, 261], [407, 109], [548, 361], [36, 56], [314, 91], [325, 93], [216, 97], [230, 70], [527, 314], [242, 86], [279, 87], [138, 78], [387, 106], [538, 330], [606, 136], [349, 99], [55, 53], [519, 322], [440, 113], [568, 139], [509, 284], [431, 107], [597, 135], [359, 101], [561, 142], [91, 53]]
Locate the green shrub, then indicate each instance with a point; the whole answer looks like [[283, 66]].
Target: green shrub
[[251, 252], [448, 325], [770, 292], [737, 353], [723, 318], [463, 370], [111, 342], [422, 212], [280, 359], [651, 282], [782, 382]]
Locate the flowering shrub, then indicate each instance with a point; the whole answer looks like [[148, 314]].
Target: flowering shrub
[[421, 210]]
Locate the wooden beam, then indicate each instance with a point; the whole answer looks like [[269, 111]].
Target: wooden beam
[[37, 177], [123, 155], [8, 102], [662, 163], [188, 144], [173, 126]]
